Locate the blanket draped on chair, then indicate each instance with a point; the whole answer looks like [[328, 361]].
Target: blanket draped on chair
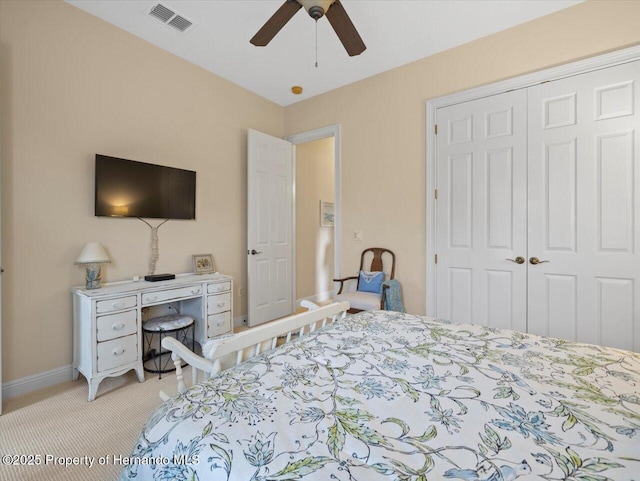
[[393, 299]]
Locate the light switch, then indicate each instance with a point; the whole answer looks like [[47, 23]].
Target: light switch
[[357, 235]]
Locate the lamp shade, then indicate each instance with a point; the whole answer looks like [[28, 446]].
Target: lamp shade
[[92, 253]]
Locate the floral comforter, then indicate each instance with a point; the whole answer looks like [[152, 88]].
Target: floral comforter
[[389, 396]]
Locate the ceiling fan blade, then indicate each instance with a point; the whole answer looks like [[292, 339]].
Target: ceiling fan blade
[[345, 29], [275, 23]]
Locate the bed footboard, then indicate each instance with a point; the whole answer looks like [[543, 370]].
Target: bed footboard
[[237, 348]]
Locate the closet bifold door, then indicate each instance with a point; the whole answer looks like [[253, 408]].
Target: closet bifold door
[[481, 211], [584, 207]]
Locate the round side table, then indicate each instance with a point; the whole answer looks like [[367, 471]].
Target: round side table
[[175, 325]]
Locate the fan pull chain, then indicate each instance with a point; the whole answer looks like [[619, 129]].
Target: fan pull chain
[[316, 43]]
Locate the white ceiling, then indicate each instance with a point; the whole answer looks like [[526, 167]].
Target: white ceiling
[[396, 32]]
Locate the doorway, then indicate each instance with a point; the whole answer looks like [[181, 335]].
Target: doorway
[[314, 207], [316, 196]]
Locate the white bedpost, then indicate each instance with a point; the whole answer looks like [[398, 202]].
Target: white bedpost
[[179, 374], [252, 338]]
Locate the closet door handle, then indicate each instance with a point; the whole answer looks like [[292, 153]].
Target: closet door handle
[[517, 260], [535, 261]]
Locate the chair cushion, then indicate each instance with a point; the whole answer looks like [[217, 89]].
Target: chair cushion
[[367, 301], [371, 282], [167, 323]]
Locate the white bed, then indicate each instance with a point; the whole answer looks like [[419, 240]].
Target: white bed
[[389, 396]]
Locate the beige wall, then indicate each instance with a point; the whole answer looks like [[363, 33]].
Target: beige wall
[[383, 123], [73, 86], [314, 244]]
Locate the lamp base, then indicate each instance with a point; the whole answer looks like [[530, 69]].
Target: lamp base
[[94, 276]]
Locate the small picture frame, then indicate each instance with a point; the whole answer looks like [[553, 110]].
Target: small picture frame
[[203, 264], [327, 214]]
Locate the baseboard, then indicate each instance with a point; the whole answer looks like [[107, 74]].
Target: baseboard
[[239, 321], [28, 384]]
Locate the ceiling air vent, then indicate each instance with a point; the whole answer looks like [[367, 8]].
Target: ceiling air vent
[[170, 17]]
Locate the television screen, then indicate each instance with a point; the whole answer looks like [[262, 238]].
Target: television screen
[[126, 188]]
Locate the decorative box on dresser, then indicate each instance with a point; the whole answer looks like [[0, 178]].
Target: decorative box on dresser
[[107, 322]]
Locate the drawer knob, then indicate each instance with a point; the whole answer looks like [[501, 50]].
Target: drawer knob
[[118, 327], [220, 304], [118, 305], [152, 298], [195, 291], [220, 323], [119, 351]]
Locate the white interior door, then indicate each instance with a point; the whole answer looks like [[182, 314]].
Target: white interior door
[[584, 207], [269, 227], [481, 213], [578, 181]]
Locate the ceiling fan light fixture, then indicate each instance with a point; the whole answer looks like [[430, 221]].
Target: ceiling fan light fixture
[[332, 9], [316, 8]]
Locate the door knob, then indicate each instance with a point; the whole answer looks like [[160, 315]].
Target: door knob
[[254, 252], [536, 261], [517, 260]]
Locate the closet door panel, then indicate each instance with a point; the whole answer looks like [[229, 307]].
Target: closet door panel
[[584, 207], [481, 211]]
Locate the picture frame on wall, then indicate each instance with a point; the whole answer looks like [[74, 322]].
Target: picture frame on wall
[[327, 214], [203, 264]]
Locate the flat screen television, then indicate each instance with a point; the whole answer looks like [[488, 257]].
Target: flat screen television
[[126, 188]]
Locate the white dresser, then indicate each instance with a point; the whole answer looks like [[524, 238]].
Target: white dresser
[[107, 322]]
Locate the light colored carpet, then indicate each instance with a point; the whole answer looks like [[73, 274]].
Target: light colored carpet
[[58, 421]]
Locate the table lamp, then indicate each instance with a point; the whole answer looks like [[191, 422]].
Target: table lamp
[[93, 255]]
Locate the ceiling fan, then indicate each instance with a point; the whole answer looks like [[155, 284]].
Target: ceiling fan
[[332, 9]]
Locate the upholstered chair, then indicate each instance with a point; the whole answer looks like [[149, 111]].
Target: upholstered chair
[[369, 293]]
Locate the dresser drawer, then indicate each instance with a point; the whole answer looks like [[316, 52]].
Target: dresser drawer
[[117, 352], [170, 294], [218, 303], [218, 287], [218, 324], [117, 304], [116, 325]]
